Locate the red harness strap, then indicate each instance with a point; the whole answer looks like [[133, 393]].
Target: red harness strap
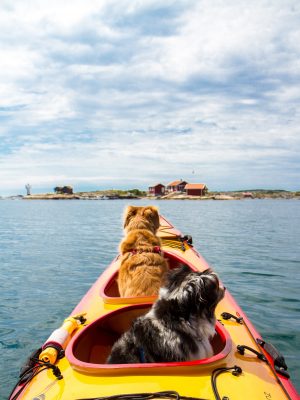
[[155, 249]]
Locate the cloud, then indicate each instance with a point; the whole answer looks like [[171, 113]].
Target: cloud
[[92, 92]]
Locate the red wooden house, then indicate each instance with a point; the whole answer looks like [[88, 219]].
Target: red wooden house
[[176, 186], [195, 189], [157, 190]]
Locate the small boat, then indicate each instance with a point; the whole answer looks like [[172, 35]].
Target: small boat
[[72, 362]]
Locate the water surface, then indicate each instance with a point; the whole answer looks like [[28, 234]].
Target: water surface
[[52, 251]]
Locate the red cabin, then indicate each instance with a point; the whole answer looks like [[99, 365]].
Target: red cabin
[[157, 190], [195, 189], [176, 186]]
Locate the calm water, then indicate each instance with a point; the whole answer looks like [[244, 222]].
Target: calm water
[[51, 252]]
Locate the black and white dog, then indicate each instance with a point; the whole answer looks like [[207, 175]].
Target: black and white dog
[[180, 324]]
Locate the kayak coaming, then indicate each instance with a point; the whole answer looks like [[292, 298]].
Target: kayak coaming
[[109, 299], [258, 379], [86, 365]]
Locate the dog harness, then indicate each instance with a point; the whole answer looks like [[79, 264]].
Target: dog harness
[[155, 249], [142, 355]]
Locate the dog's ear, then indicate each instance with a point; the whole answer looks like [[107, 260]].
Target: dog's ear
[[210, 278], [185, 269], [150, 210], [129, 212], [207, 271], [182, 270], [211, 291], [151, 213], [176, 276]]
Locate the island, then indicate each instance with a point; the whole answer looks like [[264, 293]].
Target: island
[[136, 194]]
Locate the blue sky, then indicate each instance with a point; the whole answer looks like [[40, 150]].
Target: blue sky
[[129, 93]]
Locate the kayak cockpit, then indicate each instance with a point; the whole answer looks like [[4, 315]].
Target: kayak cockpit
[[89, 349], [110, 292]]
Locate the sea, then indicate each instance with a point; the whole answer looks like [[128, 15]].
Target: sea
[[51, 252]]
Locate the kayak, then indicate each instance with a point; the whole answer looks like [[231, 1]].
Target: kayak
[[71, 364]]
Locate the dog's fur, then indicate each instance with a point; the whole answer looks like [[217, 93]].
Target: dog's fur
[[142, 270], [180, 324]]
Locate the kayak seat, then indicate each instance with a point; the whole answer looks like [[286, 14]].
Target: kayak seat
[[110, 292], [89, 349]]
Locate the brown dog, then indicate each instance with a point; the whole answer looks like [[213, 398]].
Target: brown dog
[[142, 267]]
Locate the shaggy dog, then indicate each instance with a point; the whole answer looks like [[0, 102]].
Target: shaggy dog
[[142, 266], [180, 324]]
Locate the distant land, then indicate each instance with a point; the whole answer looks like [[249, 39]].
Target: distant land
[[139, 194]]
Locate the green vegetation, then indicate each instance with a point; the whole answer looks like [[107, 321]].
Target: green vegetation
[[137, 192], [132, 193]]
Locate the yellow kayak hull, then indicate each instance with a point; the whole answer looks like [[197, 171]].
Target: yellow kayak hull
[[85, 375]]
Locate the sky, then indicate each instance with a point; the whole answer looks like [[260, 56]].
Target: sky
[[129, 93]]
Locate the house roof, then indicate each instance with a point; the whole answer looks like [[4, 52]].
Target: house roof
[[175, 183], [195, 186], [158, 184]]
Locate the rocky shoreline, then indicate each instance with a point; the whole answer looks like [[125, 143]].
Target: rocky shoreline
[[121, 195], [75, 196], [232, 195]]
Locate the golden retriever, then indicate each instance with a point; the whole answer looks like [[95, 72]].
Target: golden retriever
[[143, 267]]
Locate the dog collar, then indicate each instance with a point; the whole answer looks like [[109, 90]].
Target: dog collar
[[155, 249]]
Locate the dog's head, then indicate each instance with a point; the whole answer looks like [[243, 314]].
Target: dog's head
[[193, 293], [141, 218]]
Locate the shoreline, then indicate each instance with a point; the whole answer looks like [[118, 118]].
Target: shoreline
[[120, 195]]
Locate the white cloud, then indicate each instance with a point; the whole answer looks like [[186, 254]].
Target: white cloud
[[88, 90]]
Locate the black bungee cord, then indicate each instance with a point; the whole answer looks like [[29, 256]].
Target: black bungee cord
[[39, 364], [169, 394], [236, 371]]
